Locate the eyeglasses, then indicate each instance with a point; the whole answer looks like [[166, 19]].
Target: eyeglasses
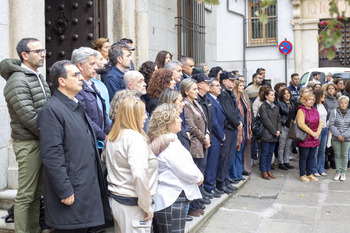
[[38, 51]]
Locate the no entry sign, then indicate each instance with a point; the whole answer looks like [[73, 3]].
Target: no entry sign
[[285, 47]]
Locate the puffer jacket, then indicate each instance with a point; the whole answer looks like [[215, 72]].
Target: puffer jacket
[[340, 125], [24, 97]]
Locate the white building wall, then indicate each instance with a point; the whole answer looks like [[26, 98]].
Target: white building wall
[[210, 37], [230, 42], [162, 34], [5, 129]]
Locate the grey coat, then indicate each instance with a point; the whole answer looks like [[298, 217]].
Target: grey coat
[[271, 120], [340, 125]]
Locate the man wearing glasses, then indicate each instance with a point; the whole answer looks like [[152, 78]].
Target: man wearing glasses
[[26, 91]]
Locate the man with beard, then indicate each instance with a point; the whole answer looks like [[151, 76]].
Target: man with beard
[[134, 80], [253, 90], [85, 59]]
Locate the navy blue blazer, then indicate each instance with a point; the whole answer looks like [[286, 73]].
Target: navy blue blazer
[[218, 122], [100, 121]]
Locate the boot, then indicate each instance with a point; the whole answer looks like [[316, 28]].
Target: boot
[[265, 176], [271, 175]]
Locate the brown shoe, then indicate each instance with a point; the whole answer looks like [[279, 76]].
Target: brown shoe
[[271, 175], [265, 176], [195, 213], [304, 178], [201, 211]]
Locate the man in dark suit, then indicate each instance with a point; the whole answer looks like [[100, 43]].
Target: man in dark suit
[[216, 137], [233, 122]]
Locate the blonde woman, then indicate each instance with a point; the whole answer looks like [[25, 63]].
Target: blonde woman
[[132, 169], [178, 177]]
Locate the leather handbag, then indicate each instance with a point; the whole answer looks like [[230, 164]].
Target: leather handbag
[[296, 133], [258, 127]]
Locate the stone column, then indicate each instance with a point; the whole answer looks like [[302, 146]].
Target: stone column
[[141, 32]]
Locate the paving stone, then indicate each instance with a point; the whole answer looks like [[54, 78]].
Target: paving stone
[[276, 226], [298, 199]]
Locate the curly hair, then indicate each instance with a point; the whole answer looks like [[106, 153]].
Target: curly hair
[[160, 81], [163, 117], [160, 59], [306, 97], [146, 69]]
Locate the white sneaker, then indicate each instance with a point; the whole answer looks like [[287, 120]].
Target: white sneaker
[[323, 174], [317, 174], [343, 177], [337, 176]]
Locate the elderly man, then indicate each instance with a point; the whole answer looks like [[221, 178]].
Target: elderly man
[[26, 92], [176, 68], [134, 80], [120, 57], [329, 78], [85, 59], [187, 66], [74, 186]]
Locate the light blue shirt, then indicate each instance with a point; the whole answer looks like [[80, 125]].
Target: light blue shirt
[[104, 93]]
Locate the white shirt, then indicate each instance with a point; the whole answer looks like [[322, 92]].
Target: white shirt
[[323, 114], [177, 172]]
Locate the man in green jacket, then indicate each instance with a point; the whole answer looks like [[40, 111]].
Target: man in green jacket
[[26, 91]]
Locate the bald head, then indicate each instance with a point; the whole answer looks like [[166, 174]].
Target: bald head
[[134, 80]]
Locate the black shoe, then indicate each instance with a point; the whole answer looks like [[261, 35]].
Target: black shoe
[[189, 218], [295, 151], [233, 181], [225, 190], [204, 201], [245, 173], [206, 194], [255, 157], [287, 165], [218, 191], [215, 194], [202, 206], [242, 178], [233, 188], [272, 168], [348, 164], [282, 167]]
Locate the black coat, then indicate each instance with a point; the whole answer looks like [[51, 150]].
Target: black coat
[[229, 104], [287, 114], [271, 120], [71, 165], [205, 103]]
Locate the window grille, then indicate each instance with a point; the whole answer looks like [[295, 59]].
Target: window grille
[[258, 33], [191, 30]]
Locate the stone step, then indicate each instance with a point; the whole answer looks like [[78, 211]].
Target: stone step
[[5, 227], [197, 222], [7, 198]]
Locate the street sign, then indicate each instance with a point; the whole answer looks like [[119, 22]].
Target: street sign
[[285, 47]]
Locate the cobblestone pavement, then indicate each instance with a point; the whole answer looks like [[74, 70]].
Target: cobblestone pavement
[[285, 205]]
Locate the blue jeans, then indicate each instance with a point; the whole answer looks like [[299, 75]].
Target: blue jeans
[[236, 166], [307, 160], [266, 155], [320, 153]]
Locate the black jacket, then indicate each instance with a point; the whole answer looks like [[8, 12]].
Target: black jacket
[[71, 165], [271, 120], [205, 103], [229, 104], [287, 114]]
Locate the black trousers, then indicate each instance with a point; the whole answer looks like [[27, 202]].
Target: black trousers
[[71, 231], [226, 153]]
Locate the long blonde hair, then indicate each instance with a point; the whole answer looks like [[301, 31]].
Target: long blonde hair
[[130, 113]]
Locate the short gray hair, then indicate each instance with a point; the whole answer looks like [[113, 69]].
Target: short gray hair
[[82, 54], [116, 51], [171, 65], [343, 97], [130, 77], [329, 74], [185, 85], [184, 60]]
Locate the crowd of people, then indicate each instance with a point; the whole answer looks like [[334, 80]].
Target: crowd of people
[[149, 149]]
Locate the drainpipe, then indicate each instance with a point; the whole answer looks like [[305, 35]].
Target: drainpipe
[[244, 35]]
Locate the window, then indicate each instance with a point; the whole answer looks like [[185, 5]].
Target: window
[[191, 30], [258, 33]]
